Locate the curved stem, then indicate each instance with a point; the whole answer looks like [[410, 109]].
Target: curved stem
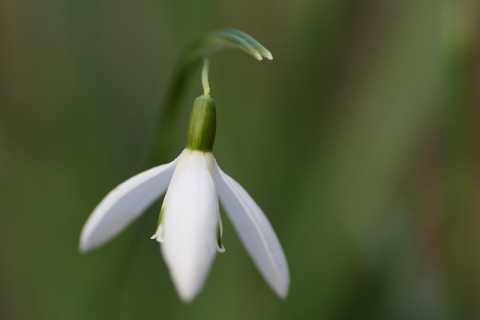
[[206, 46]]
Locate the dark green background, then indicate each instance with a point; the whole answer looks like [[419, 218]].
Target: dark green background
[[359, 140]]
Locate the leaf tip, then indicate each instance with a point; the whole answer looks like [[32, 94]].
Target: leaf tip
[[268, 55]]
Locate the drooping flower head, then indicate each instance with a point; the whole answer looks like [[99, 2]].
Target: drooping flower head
[[189, 229]]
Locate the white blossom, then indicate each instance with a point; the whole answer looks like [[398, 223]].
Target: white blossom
[[190, 221]]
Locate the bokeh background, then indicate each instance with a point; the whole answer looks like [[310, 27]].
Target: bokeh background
[[360, 141]]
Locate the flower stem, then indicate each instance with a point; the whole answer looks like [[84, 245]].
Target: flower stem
[[205, 84], [208, 45]]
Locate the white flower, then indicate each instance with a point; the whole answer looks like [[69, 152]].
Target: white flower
[[189, 229], [188, 232]]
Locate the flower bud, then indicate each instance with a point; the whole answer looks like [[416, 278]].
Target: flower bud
[[202, 125]]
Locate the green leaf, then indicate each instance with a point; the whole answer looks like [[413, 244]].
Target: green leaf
[[225, 39]]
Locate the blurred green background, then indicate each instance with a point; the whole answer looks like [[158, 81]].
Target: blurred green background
[[360, 141]]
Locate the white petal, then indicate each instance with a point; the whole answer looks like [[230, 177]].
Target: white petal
[[220, 247], [190, 223], [124, 204], [256, 233]]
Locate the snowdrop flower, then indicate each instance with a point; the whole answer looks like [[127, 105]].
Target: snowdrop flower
[[189, 228]]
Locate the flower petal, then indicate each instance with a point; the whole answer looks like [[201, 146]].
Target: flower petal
[[190, 223], [124, 204], [256, 233]]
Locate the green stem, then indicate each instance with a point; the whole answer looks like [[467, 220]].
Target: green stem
[[206, 46], [205, 84]]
